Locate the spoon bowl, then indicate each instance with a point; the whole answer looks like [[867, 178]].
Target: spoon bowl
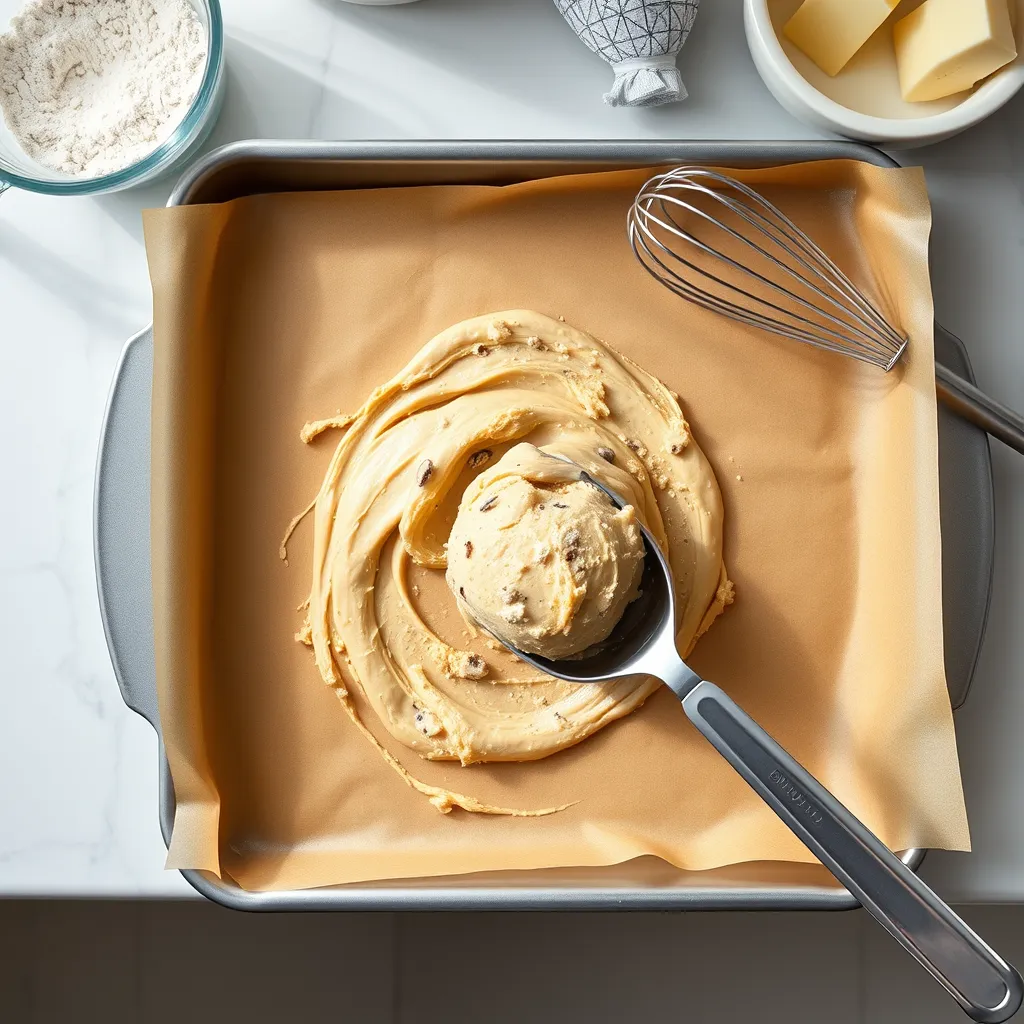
[[647, 627]]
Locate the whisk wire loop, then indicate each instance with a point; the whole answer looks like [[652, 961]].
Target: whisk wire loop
[[673, 227], [773, 223], [812, 332], [800, 291]]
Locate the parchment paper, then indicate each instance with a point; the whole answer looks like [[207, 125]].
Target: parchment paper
[[273, 310]]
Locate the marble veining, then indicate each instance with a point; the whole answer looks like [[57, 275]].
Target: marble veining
[[78, 807]]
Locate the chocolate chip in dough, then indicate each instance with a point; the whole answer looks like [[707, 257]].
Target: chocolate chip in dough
[[423, 472], [475, 668], [469, 549], [489, 503], [479, 458], [606, 453]]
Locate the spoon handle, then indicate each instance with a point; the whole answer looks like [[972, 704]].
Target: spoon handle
[[987, 988]]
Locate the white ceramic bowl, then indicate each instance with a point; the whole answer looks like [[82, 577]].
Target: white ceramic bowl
[[868, 83]]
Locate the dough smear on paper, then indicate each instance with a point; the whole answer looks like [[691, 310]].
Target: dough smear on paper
[[382, 622]]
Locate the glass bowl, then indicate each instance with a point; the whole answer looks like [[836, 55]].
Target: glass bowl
[[21, 171]]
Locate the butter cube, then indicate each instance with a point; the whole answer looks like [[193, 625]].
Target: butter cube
[[946, 46], [830, 32]]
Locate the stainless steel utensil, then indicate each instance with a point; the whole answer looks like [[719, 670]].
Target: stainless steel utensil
[[987, 988], [720, 244]]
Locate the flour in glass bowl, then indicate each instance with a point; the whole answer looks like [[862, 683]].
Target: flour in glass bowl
[[88, 87]]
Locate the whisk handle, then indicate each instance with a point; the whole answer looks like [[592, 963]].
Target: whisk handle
[[972, 404], [987, 988]]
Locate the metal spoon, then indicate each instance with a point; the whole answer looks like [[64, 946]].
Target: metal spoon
[[987, 988]]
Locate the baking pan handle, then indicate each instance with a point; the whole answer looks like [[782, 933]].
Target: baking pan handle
[[987, 988], [121, 528]]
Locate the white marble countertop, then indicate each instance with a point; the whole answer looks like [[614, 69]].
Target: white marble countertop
[[78, 800]]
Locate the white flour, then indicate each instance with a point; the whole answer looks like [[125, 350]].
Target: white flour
[[90, 86]]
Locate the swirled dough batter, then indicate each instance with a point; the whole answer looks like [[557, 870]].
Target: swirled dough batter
[[540, 559], [380, 616]]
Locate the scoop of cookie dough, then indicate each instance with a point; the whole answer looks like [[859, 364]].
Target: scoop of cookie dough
[[541, 559]]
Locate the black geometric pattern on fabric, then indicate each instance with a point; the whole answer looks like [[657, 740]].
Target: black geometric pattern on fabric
[[623, 29]]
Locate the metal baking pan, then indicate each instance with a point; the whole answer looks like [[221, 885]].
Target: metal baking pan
[[122, 550]]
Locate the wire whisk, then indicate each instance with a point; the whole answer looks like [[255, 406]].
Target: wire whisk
[[721, 245], [771, 275]]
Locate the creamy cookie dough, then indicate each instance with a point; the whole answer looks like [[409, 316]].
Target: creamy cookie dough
[[380, 618], [540, 559]]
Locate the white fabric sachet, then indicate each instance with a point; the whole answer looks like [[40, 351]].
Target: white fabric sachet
[[640, 39]]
